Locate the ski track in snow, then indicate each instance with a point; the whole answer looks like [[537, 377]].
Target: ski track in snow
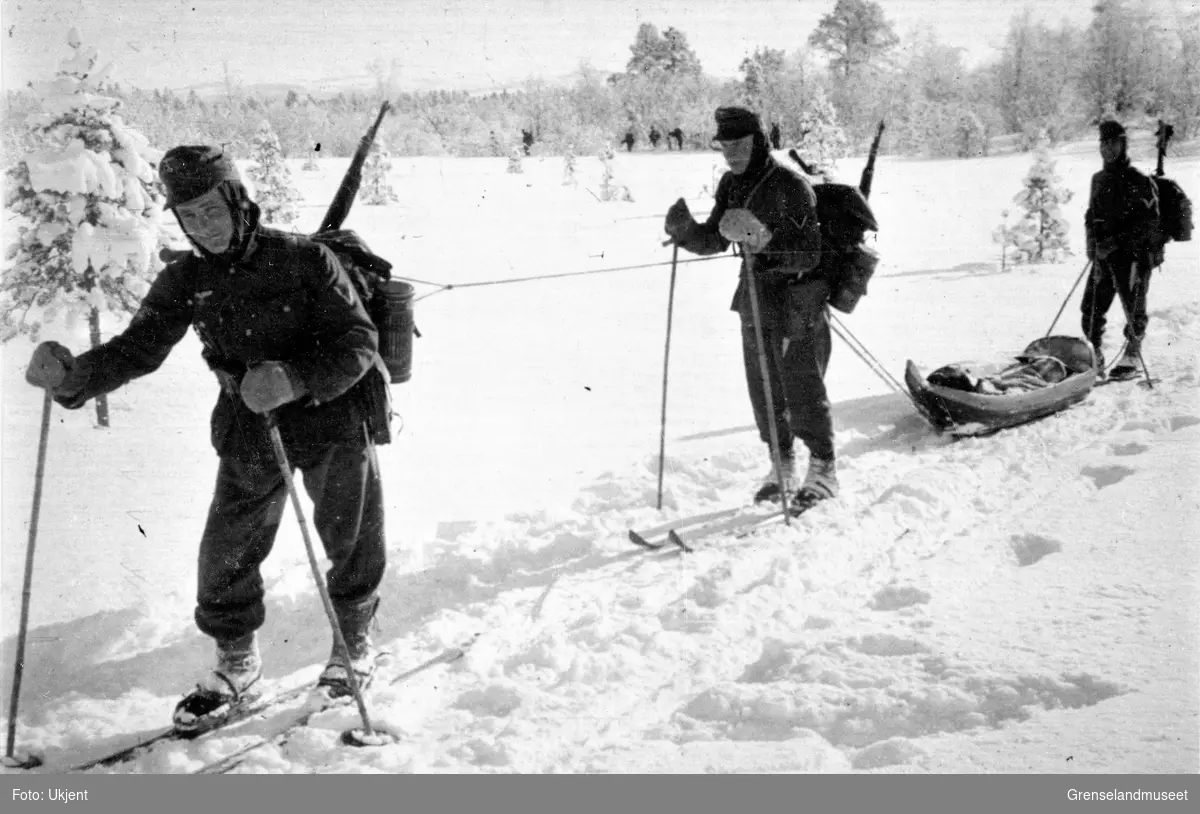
[[903, 627]]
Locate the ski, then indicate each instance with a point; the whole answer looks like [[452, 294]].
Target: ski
[[252, 709], [657, 537], [743, 522], [279, 734]]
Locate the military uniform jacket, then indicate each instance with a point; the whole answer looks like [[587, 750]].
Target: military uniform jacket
[[787, 205], [287, 300], [1122, 209]]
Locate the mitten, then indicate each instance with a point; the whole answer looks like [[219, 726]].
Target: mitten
[[741, 226], [269, 385], [53, 368], [679, 224]]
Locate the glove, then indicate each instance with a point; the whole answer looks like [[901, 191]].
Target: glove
[[53, 368], [1106, 247], [269, 385], [679, 223], [740, 226]]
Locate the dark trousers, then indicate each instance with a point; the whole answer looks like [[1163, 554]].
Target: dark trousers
[[795, 326], [1117, 275], [250, 497]]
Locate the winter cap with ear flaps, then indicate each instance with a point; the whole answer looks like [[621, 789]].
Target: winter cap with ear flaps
[[192, 170], [735, 123], [1111, 130]]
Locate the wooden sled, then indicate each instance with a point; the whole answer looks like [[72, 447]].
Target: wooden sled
[[963, 412]]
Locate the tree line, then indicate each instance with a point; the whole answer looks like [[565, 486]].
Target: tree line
[[1133, 60]]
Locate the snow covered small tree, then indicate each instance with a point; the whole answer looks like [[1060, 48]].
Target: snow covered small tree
[[610, 190], [822, 141], [569, 178], [310, 159], [376, 189], [1040, 233], [274, 192], [515, 166], [88, 210]]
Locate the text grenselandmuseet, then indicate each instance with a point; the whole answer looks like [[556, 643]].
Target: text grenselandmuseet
[[1116, 794]]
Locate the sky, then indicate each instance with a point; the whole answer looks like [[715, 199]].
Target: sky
[[452, 44]]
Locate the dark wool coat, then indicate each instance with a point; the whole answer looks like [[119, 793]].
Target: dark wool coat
[[786, 204], [288, 299], [1122, 211]]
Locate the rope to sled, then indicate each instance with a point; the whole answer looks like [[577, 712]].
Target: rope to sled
[[505, 281], [868, 359]]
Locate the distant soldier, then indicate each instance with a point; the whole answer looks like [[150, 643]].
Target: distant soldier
[[628, 141], [775, 137], [677, 134], [654, 137], [527, 139]]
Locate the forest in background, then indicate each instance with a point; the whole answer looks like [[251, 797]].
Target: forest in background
[[1050, 81]]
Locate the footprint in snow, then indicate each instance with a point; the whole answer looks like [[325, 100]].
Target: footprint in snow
[[896, 597], [1180, 422], [1030, 548], [1130, 448], [1104, 476]]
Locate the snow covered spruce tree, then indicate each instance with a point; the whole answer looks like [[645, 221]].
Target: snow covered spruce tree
[[1040, 233], [310, 159], [610, 190], [569, 178], [87, 211], [514, 162], [274, 192], [376, 189], [822, 140]]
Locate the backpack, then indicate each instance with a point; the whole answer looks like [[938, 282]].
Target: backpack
[[845, 219], [388, 302], [1174, 210]]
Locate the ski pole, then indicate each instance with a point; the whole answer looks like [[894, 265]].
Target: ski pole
[[1087, 266], [765, 370], [285, 469], [662, 432], [1135, 288], [30, 760]]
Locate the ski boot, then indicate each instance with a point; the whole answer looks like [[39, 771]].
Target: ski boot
[[776, 482], [820, 483], [223, 690], [364, 655], [1126, 366]]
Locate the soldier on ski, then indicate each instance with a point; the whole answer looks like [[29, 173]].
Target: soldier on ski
[[1120, 219], [771, 212], [285, 333]]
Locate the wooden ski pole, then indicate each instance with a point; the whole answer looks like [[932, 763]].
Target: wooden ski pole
[[11, 759], [1087, 267], [285, 469], [662, 432], [765, 370]]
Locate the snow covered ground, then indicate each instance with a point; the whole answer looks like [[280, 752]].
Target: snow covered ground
[[1026, 602]]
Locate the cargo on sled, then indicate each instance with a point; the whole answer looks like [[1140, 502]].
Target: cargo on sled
[[1050, 375]]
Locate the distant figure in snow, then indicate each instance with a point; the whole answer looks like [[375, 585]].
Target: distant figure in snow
[[677, 134], [285, 333], [628, 141], [775, 137], [772, 213], [654, 137], [527, 139], [1121, 215]]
